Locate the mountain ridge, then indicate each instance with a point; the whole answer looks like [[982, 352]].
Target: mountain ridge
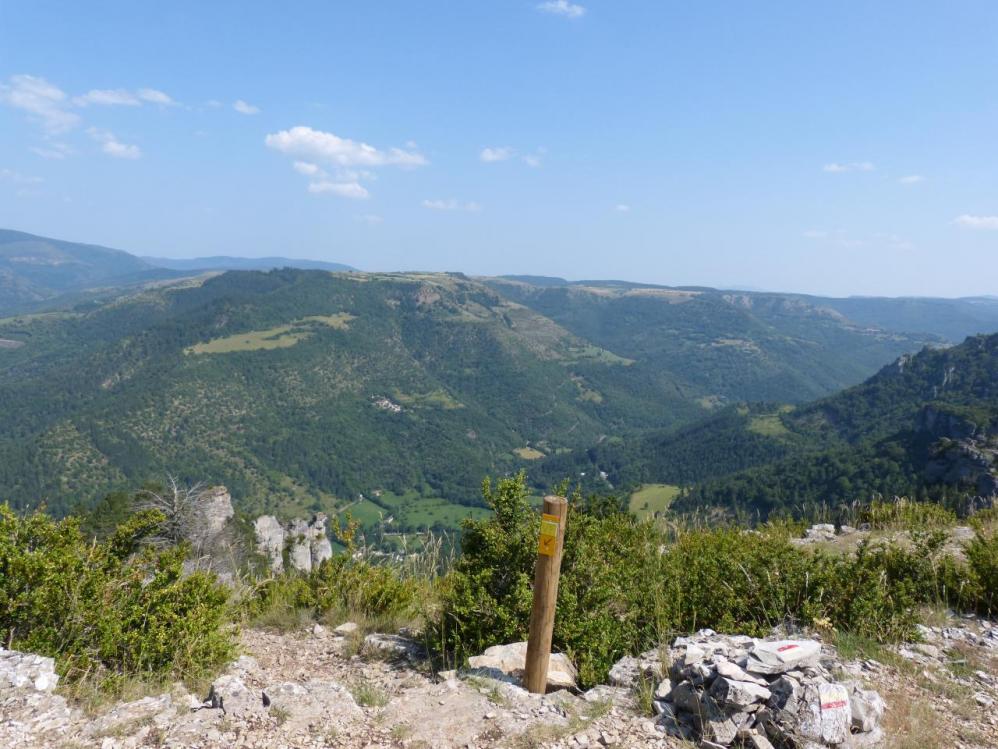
[[314, 390]]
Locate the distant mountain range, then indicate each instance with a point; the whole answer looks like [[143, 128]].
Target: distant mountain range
[[393, 394], [223, 262], [37, 272], [305, 389]]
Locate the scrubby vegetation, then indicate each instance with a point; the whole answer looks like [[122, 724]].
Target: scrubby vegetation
[[624, 587], [123, 606], [111, 610]]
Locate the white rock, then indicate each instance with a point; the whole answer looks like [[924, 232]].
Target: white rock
[[393, 645], [836, 713], [867, 709], [733, 671], [27, 671], [230, 694], [664, 690], [780, 656], [510, 661], [738, 693], [270, 540]]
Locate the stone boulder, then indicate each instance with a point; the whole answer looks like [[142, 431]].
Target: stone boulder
[[508, 662], [27, 671]]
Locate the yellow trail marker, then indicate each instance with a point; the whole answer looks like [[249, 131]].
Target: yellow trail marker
[[549, 535]]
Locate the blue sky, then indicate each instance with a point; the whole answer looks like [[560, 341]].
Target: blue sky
[[837, 148]]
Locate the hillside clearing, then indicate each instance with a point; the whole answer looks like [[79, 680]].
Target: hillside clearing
[[651, 499], [281, 336]]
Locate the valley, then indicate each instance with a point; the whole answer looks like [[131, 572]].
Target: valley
[[392, 395]]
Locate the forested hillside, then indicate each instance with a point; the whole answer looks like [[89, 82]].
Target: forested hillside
[[725, 346], [925, 426], [385, 392], [34, 269]]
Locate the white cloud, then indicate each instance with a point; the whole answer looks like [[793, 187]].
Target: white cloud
[[53, 150], [9, 175], [353, 190], [562, 8], [369, 218], [117, 97], [112, 146], [43, 102], [245, 108], [120, 97], [532, 161], [452, 205], [853, 166], [967, 221], [342, 154], [499, 153], [911, 179], [330, 148], [622, 208], [307, 168], [153, 96]]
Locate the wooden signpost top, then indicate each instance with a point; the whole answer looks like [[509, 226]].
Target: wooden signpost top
[[546, 572]]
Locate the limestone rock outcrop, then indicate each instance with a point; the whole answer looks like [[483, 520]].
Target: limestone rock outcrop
[[306, 542]]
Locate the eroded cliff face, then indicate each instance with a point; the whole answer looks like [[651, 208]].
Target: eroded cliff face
[[963, 453]]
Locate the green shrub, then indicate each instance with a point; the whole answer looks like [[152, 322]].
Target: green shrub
[[622, 590], [340, 586], [736, 581], [108, 610], [980, 591], [906, 514], [877, 591], [607, 602]]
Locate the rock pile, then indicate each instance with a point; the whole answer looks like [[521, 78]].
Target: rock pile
[[307, 542], [743, 691], [825, 532]]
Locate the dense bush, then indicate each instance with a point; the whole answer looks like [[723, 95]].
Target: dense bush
[[622, 588], [607, 601], [111, 609], [735, 581], [340, 586], [980, 590], [904, 513]]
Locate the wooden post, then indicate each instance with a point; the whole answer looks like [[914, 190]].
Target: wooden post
[[546, 572]]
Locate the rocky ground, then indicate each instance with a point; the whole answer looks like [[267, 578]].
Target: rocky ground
[[320, 688]]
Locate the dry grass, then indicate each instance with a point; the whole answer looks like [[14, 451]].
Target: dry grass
[[913, 724]]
